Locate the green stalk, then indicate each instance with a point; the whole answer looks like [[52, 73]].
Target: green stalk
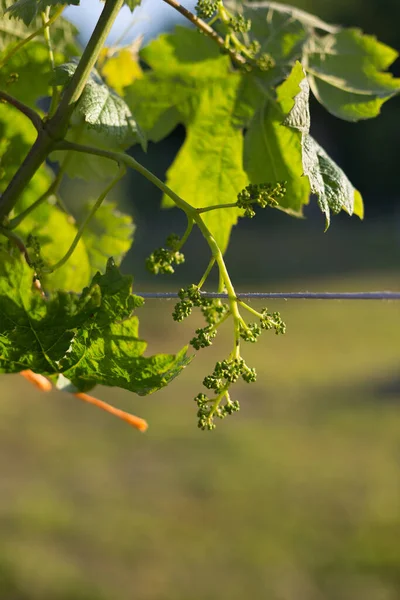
[[26, 40], [206, 273], [216, 206], [187, 232], [191, 212], [129, 161], [46, 34], [85, 222]]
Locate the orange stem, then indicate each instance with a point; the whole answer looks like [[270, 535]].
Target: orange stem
[[136, 422], [45, 385], [37, 380]]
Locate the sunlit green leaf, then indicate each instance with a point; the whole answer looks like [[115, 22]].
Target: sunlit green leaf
[[102, 109], [273, 152], [108, 233], [208, 169], [12, 31], [132, 3], [101, 119], [28, 10], [91, 338], [27, 75], [193, 84], [348, 74], [327, 180]]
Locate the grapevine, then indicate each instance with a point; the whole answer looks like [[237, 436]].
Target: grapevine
[[239, 82]]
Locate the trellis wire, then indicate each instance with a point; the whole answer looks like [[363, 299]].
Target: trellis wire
[[285, 295]]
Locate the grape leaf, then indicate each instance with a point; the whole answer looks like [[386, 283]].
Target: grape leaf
[[108, 233], [263, 11], [17, 135], [26, 76], [209, 167], [91, 338], [346, 69], [273, 152], [42, 223], [182, 65], [184, 86], [132, 4], [35, 333], [101, 119], [326, 178], [121, 68], [347, 73], [28, 10], [63, 33], [102, 109], [192, 84]]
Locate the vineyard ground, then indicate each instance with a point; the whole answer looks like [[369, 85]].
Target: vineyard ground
[[297, 497]]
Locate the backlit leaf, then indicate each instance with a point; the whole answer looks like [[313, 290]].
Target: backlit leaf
[[348, 74], [91, 338]]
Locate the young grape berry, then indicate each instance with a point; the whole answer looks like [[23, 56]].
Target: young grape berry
[[239, 24], [162, 260], [262, 194], [205, 9]]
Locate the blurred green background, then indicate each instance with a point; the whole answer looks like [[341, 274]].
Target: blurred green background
[[297, 497]]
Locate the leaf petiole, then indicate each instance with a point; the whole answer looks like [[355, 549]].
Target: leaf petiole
[[206, 273], [216, 206], [26, 40], [85, 222]]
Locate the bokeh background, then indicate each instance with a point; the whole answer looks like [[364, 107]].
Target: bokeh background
[[295, 498]]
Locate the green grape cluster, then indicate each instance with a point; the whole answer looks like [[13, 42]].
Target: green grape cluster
[[250, 332], [239, 24], [225, 373], [272, 321], [214, 310], [262, 194], [205, 9], [189, 298], [162, 259], [206, 414], [204, 337], [35, 256], [265, 62]]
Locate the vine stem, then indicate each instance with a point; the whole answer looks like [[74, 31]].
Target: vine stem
[[218, 401], [216, 206], [206, 273], [250, 309], [85, 222], [55, 128], [46, 34], [191, 212], [188, 231], [207, 30], [129, 161], [24, 109]]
